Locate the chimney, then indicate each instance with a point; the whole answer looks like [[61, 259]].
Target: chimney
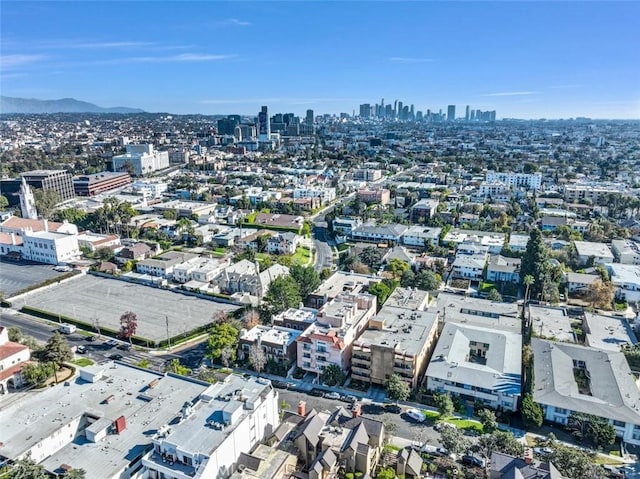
[[302, 408], [355, 411], [45, 223]]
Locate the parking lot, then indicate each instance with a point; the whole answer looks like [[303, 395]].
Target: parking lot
[[93, 299], [15, 276]]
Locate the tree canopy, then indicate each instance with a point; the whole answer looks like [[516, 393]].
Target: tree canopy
[[128, 325], [283, 293], [532, 414], [397, 389], [223, 339], [333, 375], [444, 403], [57, 350], [307, 278], [534, 261]]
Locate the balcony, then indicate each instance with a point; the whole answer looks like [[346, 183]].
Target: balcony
[[156, 462]]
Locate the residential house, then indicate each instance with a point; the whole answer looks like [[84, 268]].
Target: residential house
[[279, 221], [493, 241], [245, 277], [13, 356], [277, 343], [163, 265], [136, 252], [420, 236], [503, 269], [578, 283], [518, 243], [626, 251], [283, 243], [565, 382], [586, 250], [469, 266], [399, 340], [379, 234], [94, 241], [330, 339], [626, 279], [329, 441], [511, 467], [423, 210]]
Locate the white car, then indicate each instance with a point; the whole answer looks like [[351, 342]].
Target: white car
[[331, 395], [416, 415]]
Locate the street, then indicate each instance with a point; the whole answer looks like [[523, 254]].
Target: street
[[324, 255]]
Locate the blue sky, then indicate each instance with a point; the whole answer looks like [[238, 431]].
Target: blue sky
[[523, 59]]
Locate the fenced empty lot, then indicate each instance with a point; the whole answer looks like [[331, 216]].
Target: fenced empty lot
[[91, 298]]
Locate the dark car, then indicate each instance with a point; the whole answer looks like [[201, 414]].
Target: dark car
[[279, 384], [91, 338], [316, 392], [116, 357], [393, 408], [124, 347], [470, 460]]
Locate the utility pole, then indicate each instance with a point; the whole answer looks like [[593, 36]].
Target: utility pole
[[168, 337]]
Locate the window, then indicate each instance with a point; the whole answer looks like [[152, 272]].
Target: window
[[618, 423]]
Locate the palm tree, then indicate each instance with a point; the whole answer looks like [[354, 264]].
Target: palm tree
[[528, 280]]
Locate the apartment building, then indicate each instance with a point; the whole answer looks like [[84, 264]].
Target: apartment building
[[374, 195], [338, 283], [326, 195], [420, 236], [626, 251], [399, 340], [91, 185], [330, 339], [564, 382], [531, 181], [277, 343], [143, 158], [423, 210], [298, 319], [600, 252]]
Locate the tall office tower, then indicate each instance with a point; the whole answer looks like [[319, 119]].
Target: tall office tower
[[264, 126], [388, 111], [365, 110], [399, 111], [451, 113], [429, 115], [466, 115], [493, 115], [473, 115], [412, 114], [405, 112], [395, 108], [418, 115], [309, 118]]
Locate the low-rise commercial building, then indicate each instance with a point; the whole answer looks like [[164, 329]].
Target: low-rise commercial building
[[142, 159], [91, 185]]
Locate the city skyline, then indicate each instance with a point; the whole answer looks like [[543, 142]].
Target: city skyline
[[524, 60]]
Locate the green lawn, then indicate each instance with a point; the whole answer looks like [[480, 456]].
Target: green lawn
[[464, 423], [82, 362], [433, 415], [302, 255]]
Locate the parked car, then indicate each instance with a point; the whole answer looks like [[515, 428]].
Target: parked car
[[116, 357], [470, 460], [63, 269], [316, 392], [348, 398], [393, 408], [81, 349], [332, 395], [279, 384], [91, 339], [111, 343], [124, 346], [542, 450], [416, 415]]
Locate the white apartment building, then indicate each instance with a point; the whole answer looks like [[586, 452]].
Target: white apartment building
[[626, 251], [330, 339], [150, 189], [419, 236], [283, 243], [600, 252], [226, 420], [626, 278], [326, 195], [516, 180], [143, 158], [48, 247]]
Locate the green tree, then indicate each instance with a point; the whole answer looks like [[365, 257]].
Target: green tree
[[408, 279], [386, 473], [73, 215], [444, 403], [532, 413], [36, 373], [75, 474], [176, 367], [453, 440], [4, 202], [572, 462], [46, 201], [325, 273], [332, 375], [534, 261], [427, 280], [306, 230], [527, 281], [307, 278], [396, 267], [494, 295], [143, 363], [170, 214], [223, 337], [27, 469], [370, 256], [488, 419], [57, 350], [283, 293], [593, 428], [381, 291], [397, 388], [499, 441]]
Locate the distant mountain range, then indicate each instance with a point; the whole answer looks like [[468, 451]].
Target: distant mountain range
[[64, 105]]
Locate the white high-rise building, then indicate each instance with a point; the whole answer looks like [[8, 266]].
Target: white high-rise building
[[27, 202], [143, 158], [516, 180]]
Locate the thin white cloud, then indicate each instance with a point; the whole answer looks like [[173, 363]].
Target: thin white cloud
[[512, 93], [577, 85], [231, 22], [15, 61], [410, 60], [183, 57]]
